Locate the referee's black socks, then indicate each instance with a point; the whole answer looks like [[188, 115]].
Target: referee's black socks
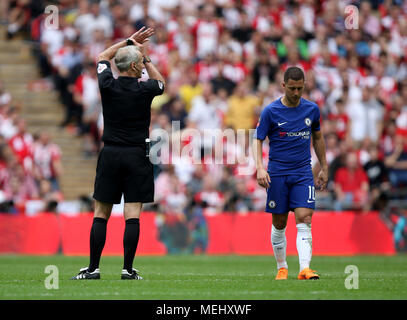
[[130, 242], [97, 242]]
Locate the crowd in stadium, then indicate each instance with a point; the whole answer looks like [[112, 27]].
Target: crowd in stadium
[[30, 164], [223, 61]]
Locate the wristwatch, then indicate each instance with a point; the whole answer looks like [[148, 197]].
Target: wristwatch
[[146, 59], [130, 42]]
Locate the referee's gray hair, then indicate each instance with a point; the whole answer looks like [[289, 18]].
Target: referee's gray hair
[[125, 56]]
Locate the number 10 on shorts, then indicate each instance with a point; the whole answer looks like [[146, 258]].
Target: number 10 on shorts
[[311, 194]]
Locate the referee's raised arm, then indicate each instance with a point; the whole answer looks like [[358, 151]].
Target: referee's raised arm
[[139, 37], [152, 71]]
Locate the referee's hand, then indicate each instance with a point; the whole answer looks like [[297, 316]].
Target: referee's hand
[[263, 178], [142, 35]]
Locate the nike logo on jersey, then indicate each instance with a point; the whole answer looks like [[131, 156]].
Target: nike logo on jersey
[[280, 124]]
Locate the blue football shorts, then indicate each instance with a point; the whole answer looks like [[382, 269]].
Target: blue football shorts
[[285, 193]]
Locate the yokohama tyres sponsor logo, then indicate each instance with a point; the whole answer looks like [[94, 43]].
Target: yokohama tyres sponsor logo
[[302, 134]]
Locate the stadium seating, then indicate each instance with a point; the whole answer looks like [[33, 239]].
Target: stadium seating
[[249, 44]]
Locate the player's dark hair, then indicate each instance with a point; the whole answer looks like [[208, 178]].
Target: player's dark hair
[[294, 73]]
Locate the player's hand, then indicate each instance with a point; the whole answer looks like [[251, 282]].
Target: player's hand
[[263, 178], [142, 35], [322, 179]]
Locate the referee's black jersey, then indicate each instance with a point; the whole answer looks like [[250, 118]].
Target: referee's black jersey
[[126, 104]]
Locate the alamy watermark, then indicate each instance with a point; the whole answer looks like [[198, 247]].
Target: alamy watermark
[[52, 19], [352, 280], [352, 17], [51, 282]]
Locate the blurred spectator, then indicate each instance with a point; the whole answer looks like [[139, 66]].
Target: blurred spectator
[[20, 187], [175, 201], [240, 200], [370, 22], [190, 89], [8, 128], [243, 29], [90, 20], [341, 120], [396, 220], [313, 92], [22, 145], [86, 94], [396, 162], [388, 140], [227, 187], [204, 114], [50, 197], [67, 70], [19, 17], [163, 183], [176, 112], [198, 228], [173, 232], [240, 114], [401, 115], [5, 97], [351, 185], [210, 198], [220, 82], [51, 41], [206, 31], [47, 160], [194, 185], [366, 117], [264, 72], [378, 179], [163, 104]]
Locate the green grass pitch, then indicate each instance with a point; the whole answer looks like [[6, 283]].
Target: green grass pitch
[[203, 277]]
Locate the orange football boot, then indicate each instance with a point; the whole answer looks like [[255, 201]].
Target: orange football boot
[[307, 274], [282, 274]]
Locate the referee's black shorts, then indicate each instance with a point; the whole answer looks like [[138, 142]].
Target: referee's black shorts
[[124, 170]]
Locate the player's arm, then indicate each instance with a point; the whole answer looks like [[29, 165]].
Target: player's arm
[[140, 36], [262, 129], [263, 178], [319, 146]]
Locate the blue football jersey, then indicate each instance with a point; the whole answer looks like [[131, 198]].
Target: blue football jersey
[[289, 132]]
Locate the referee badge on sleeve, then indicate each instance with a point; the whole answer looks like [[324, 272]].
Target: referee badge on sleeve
[[160, 84], [101, 67]]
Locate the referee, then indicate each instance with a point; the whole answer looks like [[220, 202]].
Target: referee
[[123, 165]]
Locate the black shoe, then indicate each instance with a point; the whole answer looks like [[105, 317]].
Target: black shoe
[[84, 274], [131, 276]]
